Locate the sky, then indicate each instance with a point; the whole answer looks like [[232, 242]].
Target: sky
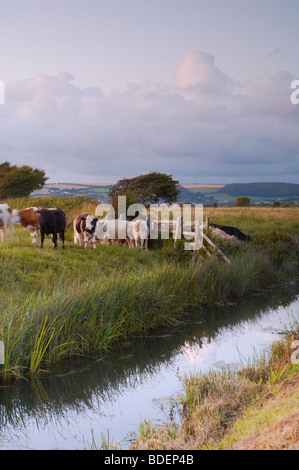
[[98, 90]]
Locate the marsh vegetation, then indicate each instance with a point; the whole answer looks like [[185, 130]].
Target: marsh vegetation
[[57, 305]]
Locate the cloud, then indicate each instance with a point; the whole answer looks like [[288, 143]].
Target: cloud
[[200, 126], [198, 75], [276, 53]]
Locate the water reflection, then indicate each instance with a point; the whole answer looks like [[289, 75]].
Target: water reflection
[[119, 389]]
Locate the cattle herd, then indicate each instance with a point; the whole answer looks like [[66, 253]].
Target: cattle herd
[[87, 228]]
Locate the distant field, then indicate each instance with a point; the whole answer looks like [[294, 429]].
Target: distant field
[[203, 188], [222, 196], [73, 185], [99, 190], [188, 186], [229, 197], [66, 186], [79, 188]]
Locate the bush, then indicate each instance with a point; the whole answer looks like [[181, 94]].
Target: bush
[[242, 201], [20, 181]]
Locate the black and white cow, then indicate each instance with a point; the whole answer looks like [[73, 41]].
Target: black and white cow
[[52, 222], [5, 221], [84, 229], [233, 231]]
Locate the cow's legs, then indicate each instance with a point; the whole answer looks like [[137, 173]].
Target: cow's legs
[[12, 231], [62, 239], [33, 237], [86, 240], [77, 238], [130, 242], [3, 229], [42, 236], [54, 239], [94, 241]]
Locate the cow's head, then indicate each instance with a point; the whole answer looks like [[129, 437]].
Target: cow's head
[[91, 223]]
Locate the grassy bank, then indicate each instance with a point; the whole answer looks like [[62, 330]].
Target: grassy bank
[[67, 316], [256, 408], [55, 305]]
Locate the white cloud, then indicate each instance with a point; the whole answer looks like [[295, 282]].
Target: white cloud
[[198, 75], [201, 126]]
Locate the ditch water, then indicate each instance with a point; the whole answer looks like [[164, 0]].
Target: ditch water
[[111, 395]]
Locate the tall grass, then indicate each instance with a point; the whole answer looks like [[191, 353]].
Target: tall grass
[[87, 317]]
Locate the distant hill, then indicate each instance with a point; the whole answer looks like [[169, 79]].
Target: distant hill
[[262, 189], [227, 194], [195, 193]]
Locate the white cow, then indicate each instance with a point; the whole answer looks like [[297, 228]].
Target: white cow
[[119, 231], [5, 221], [140, 232], [113, 231]]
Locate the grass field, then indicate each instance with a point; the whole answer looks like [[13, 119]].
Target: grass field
[[57, 304]]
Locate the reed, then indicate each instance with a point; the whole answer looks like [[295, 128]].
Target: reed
[[88, 317]]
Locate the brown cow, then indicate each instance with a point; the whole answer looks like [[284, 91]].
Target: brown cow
[[29, 219]]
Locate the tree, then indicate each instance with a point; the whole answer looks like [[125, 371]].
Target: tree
[[20, 181], [242, 201], [147, 189]]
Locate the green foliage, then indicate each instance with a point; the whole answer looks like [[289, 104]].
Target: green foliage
[[242, 201], [19, 181], [131, 198], [176, 253], [147, 189], [279, 245]]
